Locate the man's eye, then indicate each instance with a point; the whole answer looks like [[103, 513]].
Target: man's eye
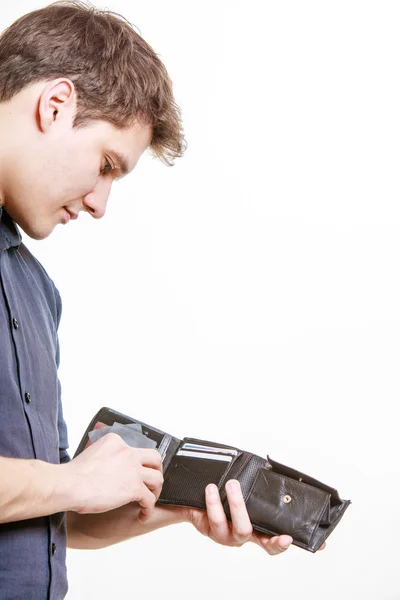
[[108, 167]]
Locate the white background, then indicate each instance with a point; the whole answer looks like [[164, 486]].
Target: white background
[[250, 294]]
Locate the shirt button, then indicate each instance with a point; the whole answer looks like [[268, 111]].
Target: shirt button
[[15, 323], [53, 548], [27, 397]]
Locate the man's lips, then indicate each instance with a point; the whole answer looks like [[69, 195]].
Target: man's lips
[[71, 215]]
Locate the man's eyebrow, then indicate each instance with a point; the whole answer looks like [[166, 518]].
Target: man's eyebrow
[[122, 161]]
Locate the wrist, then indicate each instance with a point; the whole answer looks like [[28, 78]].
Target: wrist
[[65, 489], [186, 514], [171, 514]]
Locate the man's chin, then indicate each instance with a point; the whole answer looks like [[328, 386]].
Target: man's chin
[[35, 227], [37, 232]]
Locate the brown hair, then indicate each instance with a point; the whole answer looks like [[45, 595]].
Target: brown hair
[[117, 76]]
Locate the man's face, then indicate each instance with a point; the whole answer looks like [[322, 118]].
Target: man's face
[[54, 174]]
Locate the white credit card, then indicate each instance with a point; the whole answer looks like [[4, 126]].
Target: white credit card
[[192, 454], [201, 448]]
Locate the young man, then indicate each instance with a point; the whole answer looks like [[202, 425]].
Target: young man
[[82, 96]]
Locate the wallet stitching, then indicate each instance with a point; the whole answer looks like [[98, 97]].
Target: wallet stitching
[[253, 485], [236, 475], [226, 473]]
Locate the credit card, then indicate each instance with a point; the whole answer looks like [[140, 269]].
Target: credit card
[[222, 457], [202, 448]]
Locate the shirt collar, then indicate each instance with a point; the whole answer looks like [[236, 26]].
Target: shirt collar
[[9, 233]]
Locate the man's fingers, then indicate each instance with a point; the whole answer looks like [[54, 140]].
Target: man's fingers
[[216, 516], [151, 458], [276, 544], [147, 503], [153, 479], [242, 528]]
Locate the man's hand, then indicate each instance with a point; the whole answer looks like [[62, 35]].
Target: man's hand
[[214, 524], [110, 474]]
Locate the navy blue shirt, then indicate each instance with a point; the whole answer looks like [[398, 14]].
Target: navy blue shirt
[[32, 552]]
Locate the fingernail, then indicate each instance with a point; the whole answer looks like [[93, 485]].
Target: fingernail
[[211, 490], [234, 486], [286, 542]]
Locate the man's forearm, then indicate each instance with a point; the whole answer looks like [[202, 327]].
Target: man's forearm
[[93, 531], [31, 488]]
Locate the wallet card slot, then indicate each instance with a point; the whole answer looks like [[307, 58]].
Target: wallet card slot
[[189, 473], [192, 440], [245, 472], [186, 479], [283, 505], [237, 456]]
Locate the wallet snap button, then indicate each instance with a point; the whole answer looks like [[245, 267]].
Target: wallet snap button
[[287, 499]]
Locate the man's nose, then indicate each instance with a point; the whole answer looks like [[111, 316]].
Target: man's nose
[[95, 202]]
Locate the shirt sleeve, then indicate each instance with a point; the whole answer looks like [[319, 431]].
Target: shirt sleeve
[[62, 426]]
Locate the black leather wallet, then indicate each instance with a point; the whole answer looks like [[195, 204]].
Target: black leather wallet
[[279, 499]]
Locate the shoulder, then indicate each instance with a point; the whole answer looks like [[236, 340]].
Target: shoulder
[[43, 281]]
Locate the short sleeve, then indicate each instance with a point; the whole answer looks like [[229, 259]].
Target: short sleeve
[[61, 424]]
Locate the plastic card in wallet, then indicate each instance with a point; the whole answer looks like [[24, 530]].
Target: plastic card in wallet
[[279, 499]]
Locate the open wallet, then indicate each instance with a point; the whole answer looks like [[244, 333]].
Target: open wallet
[[279, 499]]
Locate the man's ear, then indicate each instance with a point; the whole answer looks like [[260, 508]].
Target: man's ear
[[57, 103]]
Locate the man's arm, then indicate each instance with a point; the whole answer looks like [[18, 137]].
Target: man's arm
[[103, 477], [32, 488], [91, 532]]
